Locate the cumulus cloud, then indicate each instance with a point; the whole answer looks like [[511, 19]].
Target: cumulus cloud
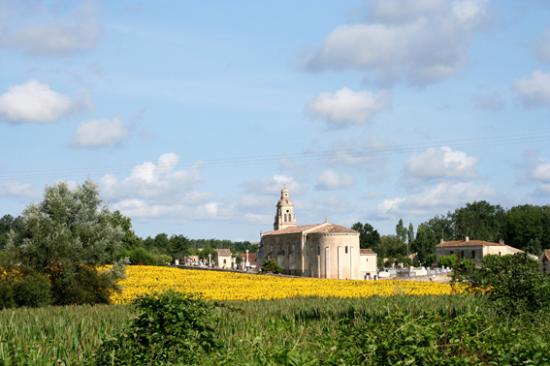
[[420, 41], [441, 162], [443, 196], [100, 132], [345, 107], [42, 31], [331, 180], [35, 102], [17, 190], [159, 190], [534, 89], [543, 47], [541, 172]]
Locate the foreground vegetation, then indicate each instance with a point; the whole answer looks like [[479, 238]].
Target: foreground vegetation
[[397, 330], [215, 285]]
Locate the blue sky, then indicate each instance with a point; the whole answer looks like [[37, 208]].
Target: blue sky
[[191, 115]]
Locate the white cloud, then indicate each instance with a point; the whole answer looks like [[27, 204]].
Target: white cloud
[[330, 180], [441, 162], [420, 41], [161, 191], [17, 190], [42, 31], [443, 196], [541, 172], [543, 47], [34, 102], [150, 180], [534, 89], [100, 132], [346, 107]]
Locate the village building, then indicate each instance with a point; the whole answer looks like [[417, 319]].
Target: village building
[[321, 250], [222, 258], [368, 267], [474, 250]]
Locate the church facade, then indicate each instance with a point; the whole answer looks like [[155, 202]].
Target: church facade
[[321, 250]]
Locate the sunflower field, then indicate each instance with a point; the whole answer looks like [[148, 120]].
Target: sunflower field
[[222, 286]]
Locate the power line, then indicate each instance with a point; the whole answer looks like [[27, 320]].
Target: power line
[[327, 155]]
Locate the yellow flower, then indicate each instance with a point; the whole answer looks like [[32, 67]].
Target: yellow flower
[[217, 285]]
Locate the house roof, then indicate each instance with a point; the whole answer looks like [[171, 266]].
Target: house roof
[[224, 252], [367, 251], [468, 243], [251, 257], [316, 228]]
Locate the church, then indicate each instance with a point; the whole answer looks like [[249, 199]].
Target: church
[[319, 250]]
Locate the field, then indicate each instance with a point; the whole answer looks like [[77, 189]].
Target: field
[[229, 286], [314, 322]]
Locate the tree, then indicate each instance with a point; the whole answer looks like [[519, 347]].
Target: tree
[[66, 236], [179, 246], [410, 234], [479, 220], [130, 239], [428, 235], [525, 227], [368, 236], [401, 231], [391, 248]]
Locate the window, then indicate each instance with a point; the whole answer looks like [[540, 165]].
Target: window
[[318, 250], [346, 249], [461, 254], [289, 217], [451, 252], [473, 253]]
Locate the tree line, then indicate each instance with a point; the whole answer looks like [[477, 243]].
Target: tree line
[[526, 227]]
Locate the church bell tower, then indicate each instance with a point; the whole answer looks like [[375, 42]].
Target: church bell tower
[[285, 216]]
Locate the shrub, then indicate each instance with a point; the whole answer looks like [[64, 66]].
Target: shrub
[[32, 290], [271, 266], [172, 328], [6, 294], [513, 283], [84, 284]]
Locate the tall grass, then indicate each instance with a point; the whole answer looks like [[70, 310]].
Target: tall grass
[[56, 335]]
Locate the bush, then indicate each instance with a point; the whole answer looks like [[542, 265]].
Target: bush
[[84, 284], [33, 290], [6, 294], [172, 328], [271, 266], [514, 283]]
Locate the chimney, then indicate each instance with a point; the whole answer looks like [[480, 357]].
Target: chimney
[[467, 238], [441, 241], [501, 241]]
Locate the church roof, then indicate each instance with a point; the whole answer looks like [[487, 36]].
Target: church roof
[[316, 228], [366, 251]]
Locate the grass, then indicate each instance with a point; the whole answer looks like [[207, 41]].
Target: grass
[[70, 335]]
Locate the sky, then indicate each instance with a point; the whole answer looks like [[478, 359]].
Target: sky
[[190, 116]]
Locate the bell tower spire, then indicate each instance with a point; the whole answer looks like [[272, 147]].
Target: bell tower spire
[[285, 216]]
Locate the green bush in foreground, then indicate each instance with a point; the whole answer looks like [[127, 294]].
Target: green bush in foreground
[[172, 329]]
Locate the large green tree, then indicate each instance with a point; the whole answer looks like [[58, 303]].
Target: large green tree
[[66, 236], [479, 220], [368, 236]]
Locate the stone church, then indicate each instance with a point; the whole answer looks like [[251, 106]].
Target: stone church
[[320, 250]]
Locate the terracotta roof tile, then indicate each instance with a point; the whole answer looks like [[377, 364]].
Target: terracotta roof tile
[[332, 228], [291, 230], [367, 251], [468, 243]]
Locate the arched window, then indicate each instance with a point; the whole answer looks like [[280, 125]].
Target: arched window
[[289, 217]]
